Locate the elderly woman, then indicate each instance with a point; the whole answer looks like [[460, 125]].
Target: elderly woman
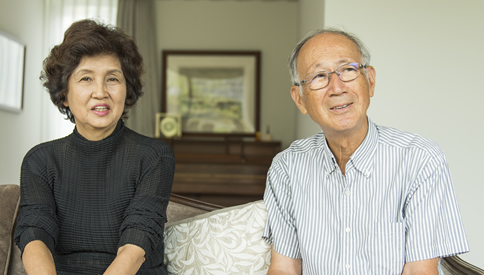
[[95, 201]]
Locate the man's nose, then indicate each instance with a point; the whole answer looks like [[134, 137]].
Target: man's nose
[[335, 85]]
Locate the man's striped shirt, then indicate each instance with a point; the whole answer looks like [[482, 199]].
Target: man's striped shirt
[[395, 204]]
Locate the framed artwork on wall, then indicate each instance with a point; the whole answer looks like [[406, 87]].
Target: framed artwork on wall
[[12, 63], [216, 93]]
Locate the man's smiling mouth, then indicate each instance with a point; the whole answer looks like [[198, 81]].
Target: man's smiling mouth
[[341, 107]]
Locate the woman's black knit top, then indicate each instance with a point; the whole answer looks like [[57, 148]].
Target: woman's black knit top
[[85, 199]]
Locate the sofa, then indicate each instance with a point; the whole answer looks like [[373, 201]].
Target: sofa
[[200, 238]]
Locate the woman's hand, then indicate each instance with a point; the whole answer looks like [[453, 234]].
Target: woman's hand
[[128, 260], [37, 259]]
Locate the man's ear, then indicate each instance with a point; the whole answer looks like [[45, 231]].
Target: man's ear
[[298, 99], [370, 70]]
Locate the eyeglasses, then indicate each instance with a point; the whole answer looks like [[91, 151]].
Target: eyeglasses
[[319, 80]]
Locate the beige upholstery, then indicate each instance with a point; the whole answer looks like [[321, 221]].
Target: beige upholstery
[[177, 211], [9, 253], [9, 205]]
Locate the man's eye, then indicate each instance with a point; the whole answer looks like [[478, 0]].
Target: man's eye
[[319, 76], [349, 69]]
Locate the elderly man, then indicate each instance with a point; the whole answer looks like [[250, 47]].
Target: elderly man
[[357, 198]]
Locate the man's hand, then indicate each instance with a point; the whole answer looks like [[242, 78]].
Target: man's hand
[[281, 264], [427, 267]]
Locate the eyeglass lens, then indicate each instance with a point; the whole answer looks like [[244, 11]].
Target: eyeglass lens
[[346, 72]]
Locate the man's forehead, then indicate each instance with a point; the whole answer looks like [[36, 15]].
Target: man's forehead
[[329, 49], [330, 40]]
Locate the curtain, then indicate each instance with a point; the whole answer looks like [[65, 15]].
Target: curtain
[[137, 19], [59, 15]]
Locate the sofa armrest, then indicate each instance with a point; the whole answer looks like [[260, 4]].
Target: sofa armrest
[[9, 201], [194, 203], [455, 265], [180, 208]]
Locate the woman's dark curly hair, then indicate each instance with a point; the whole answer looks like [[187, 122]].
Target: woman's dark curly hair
[[88, 38]]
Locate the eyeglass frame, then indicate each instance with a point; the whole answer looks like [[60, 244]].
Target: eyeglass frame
[[360, 66]]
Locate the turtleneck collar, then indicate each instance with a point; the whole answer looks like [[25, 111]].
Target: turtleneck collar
[[112, 137]]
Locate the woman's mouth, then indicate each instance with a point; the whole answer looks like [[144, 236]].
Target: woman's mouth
[[100, 108]]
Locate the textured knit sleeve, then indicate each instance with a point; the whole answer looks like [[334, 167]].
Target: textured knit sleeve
[[434, 226], [37, 211], [145, 216], [280, 230]]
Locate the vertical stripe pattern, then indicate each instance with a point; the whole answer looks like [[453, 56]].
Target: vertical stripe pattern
[[395, 204]]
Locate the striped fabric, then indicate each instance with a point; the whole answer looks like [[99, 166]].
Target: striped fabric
[[395, 204]]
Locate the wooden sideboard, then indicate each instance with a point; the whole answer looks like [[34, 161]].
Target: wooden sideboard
[[222, 171]]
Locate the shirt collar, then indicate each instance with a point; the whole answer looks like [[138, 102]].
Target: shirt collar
[[361, 158], [329, 160]]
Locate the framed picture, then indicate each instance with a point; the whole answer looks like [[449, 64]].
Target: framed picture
[[216, 93], [12, 62]]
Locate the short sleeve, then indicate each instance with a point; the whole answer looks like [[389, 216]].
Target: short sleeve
[[433, 221], [37, 218], [280, 229], [144, 220]]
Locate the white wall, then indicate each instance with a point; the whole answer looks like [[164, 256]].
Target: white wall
[[20, 131], [428, 57], [271, 27], [311, 16]]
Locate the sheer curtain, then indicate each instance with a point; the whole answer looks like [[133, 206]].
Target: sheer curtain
[[59, 15], [137, 19]]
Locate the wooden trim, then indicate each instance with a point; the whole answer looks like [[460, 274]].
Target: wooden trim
[[194, 203], [458, 266], [221, 176]]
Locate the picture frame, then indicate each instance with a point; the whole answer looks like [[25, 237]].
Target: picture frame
[[216, 93], [12, 69]]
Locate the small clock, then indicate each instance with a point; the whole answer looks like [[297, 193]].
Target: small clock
[[168, 125]]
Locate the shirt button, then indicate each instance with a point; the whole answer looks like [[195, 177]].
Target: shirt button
[[347, 266], [347, 192], [367, 173], [347, 230]]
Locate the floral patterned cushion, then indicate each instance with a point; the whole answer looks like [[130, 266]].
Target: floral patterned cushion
[[225, 241]]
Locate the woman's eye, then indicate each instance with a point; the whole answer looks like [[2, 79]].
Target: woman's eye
[[113, 79], [85, 78]]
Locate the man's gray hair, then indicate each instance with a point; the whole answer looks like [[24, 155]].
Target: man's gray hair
[[365, 54]]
